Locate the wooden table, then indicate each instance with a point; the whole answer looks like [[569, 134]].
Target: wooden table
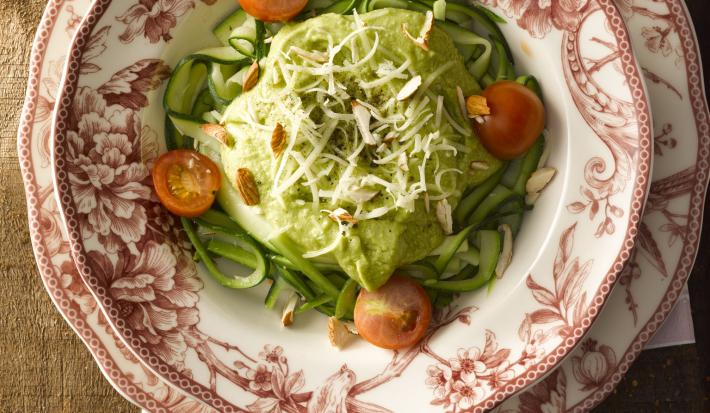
[[44, 367]]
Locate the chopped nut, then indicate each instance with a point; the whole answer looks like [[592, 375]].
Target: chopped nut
[[216, 131], [251, 77], [480, 166], [341, 215], [409, 88], [423, 39], [278, 140], [531, 198], [539, 179], [476, 106], [443, 214], [506, 254], [288, 310], [247, 187], [338, 333]]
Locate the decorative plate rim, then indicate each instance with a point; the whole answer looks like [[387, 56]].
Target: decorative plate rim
[[640, 190]]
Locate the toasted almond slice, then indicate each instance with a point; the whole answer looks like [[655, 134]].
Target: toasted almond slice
[[216, 131], [480, 166], [289, 309], [341, 215], [278, 140], [246, 185], [477, 105], [362, 118], [531, 198], [313, 56], [427, 204], [539, 179], [351, 327], [409, 88], [423, 39], [443, 214], [338, 333], [506, 254], [251, 77]]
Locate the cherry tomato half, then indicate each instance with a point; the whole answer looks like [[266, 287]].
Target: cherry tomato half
[[186, 182], [516, 121], [395, 316], [273, 10]]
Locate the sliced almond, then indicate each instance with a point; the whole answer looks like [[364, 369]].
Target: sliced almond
[[217, 132], [278, 140], [338, 333], [539, 179], [477, 105], [313, 56], [423, 39], [506, 254], [409, 88], [289, 309], [246, 185], [443, 214], [251, 77], [341, 215], [531, 198], [362, 118], [427, 204], [351, 327], [480, 166]]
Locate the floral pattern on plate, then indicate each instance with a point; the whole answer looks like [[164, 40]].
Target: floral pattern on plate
[[48, 236], [103, 187]]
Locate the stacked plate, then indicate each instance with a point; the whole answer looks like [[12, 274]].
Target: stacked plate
[[597, 270]]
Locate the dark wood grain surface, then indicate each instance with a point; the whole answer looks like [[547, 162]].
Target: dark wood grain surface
[[44, 367]]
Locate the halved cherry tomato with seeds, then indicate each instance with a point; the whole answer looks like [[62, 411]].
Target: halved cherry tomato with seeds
[[516, 121], [186, 182], [273, 10], [395, 316]]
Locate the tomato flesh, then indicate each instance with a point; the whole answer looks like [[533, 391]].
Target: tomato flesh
[[395, 316], [273, 10], [516, 121], [186, 182]]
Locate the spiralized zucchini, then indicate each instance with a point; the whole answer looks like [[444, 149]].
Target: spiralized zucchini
[[204, 83]]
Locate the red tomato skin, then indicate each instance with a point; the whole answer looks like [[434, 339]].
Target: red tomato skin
[[273, 11], [173, 204], [386, 330], [516, 121]]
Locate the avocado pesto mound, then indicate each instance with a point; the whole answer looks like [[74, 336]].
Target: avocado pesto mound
[[357, 140]]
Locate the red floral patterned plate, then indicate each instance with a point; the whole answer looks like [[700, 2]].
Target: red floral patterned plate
[[191, 332], [563, 390]]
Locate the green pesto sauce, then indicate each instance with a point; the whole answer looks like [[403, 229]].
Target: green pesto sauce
[[373, 248]]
